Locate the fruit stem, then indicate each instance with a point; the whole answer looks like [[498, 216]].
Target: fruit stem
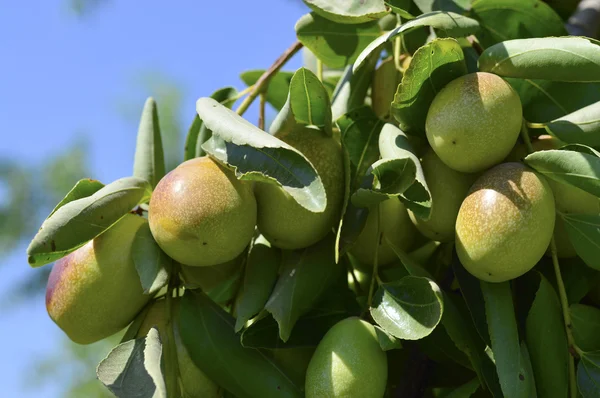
[[320, 69], [172, 368], [536, 125], [263, 81], [261, 111], [525, 136], [375, 276], [562, 293], [398, 48]]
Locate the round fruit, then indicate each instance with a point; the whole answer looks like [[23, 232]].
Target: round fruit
[[348, 362], [194, 382], [281, 219], [383, 88], [474, 121], [395, 226], [448, 188], [95, 291], [201, 215], [505, 224]]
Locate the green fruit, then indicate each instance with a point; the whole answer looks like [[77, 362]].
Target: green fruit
[[209, 278], [201, 215], [383, 88], [194, 382], [281, 219], [348, 363], [474, 121], [395, 226], [448, 188], [95, 291], [505, 224]]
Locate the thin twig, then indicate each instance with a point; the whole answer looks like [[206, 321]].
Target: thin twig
[[263, 81], [261, 111]]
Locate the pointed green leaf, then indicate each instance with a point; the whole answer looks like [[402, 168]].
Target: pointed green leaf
[[262, 267], [149, 160], [309, 100], [566, 59], [189, 151], [82, 189], [133, 368], [588, 375], [400, 8], [352, 88], [81, 220], [152, 264], [350, 11], [336, 45], [433, 66], [259, 156], [581, 126], [547, 342], [515, 19], [459, 6], [207, 333], [387, 341], [305, 276], [584, 234], [278, 88], [585, 321], [449, 23], [466, 390], [408, 309]]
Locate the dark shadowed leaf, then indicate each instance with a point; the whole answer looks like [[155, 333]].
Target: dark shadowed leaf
[[309, 101], [82, 189], [387, 341], [81, 220], [260, 276], [152, 264], [515, 19], [259, 156], [278, 89], [581, 126], [578, 278], [149, 160], [466, 390], [584, 234], [433, 66], [350, 11], [305, 275], [566, 59], [336, 45], [207, 332], [132, 369], [547, 341], [586, 326], [588, 375], [408, 309], [352, 88]]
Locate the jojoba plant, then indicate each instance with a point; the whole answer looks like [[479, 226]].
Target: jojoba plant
[[284, 261]]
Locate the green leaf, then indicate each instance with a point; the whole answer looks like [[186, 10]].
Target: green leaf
[[352, 88], [433, 66], [309, 101], [350, 11], [81, 220], [207, 333], [345, 237], [584, 234], [459, 6], [133, 368], [547, 342], [502, 326], [581, 170], [449, 23], [336, 45], [387, 341], [439, 347], [262, 267], [149, 160], [198, 134], [581, 126], [152, 264], [515, 19], [566, 59], [259, 156], [588, 374], [408, 309], [394, 144], [82, 189], [585, 321], [400, 7], [305, 275], [527, 370], [578, 278], [544, 100], [278, 88]]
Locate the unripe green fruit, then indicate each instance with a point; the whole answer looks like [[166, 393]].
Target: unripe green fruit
[[505, 224], [208, 278], [348, 363], [95, 291], [383, 88], [201, 215], [395, 226], [474, 121], [448, 188], [281, 219], [194, 382]]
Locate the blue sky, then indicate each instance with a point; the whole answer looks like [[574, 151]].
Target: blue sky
[[63, 78]]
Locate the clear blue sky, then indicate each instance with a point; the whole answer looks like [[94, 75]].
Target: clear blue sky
[[62, 77]]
